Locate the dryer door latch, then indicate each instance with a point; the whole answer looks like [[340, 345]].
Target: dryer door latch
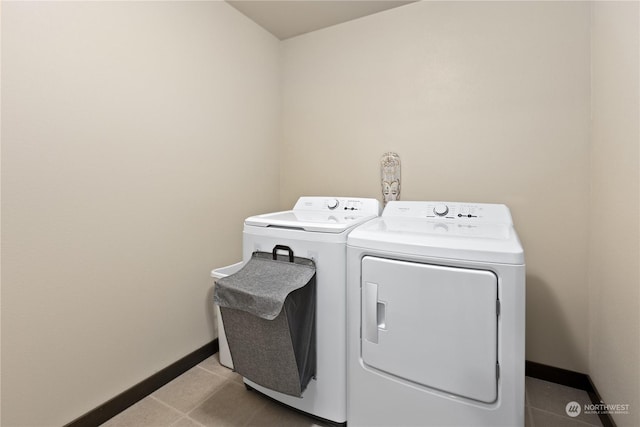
[[370, 317]]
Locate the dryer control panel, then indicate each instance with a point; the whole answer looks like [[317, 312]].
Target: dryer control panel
[[456, 211], [472, 231]]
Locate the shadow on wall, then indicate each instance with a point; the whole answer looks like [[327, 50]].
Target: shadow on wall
[[548, 334], [211, 313]]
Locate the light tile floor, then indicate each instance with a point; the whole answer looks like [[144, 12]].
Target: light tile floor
[[546, 405], [211, 395]]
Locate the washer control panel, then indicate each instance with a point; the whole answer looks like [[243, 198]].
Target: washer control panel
[[451, 211], [338, 204]]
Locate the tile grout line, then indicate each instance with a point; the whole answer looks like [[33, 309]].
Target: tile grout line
[[565, 417], [212, 372], [550, 389], [182, 414], [210, 395], [530, 415], [204, 399], [186, 417], [199, 402], [231, 381], [215, 373], [255, 413]]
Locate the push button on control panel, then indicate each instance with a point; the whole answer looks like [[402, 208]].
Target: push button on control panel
[[353, 205]]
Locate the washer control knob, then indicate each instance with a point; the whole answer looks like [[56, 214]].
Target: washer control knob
[[333, 203], [441, 209]]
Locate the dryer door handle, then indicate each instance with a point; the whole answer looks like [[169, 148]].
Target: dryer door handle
[[370, 312]]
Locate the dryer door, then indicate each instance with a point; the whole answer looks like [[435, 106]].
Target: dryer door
[[431, 325]]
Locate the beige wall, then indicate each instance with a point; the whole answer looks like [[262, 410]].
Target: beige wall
[[485, 102], [136, 137], [127, 128], [614, 277]]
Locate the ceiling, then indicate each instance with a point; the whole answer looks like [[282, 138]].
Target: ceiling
[[289, 18]]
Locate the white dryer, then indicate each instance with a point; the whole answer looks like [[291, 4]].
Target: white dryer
[[317, 228], [436, 317]]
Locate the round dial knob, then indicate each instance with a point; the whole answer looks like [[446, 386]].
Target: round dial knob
[[441, 209], [333, 203]]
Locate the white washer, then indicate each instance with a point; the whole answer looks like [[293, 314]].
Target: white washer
[[317, 228], [436, 317]]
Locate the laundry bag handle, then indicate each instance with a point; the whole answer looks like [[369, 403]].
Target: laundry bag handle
[[277, 248]]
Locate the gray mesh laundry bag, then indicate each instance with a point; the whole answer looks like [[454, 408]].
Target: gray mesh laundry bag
[[268, 310]]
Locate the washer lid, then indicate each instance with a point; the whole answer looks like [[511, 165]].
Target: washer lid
[[320, 215], [413, 228]]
